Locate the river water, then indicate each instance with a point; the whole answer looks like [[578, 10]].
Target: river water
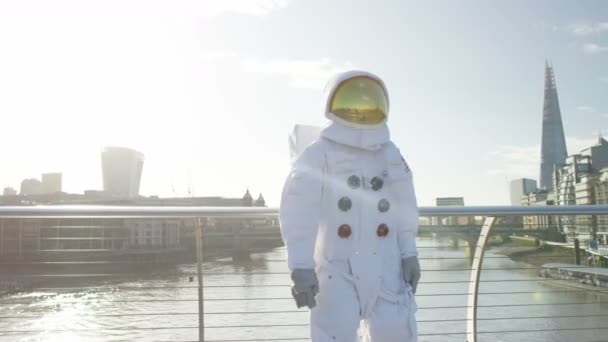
[[162, 306]]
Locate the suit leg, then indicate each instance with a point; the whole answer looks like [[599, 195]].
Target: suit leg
[[337, 314], [393, 321]]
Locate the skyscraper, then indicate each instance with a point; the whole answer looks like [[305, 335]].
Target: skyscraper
[[121, 168], [520, 187], [449, 201], [452, 220], [553, 149], [51, 183], [31, 186]]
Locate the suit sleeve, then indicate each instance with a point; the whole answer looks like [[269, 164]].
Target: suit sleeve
[[300, 208], [409, 227], [408, 217]]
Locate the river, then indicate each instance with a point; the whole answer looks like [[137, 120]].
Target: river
[[118, 310]]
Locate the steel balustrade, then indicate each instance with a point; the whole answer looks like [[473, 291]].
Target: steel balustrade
[[195, 213]]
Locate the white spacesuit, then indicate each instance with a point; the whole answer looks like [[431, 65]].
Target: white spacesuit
[[349, 220]]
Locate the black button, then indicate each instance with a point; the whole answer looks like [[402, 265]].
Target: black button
[[345, 204], [384, 205], [354, 182], [377, 183]]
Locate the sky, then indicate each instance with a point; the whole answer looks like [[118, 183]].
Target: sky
[[209, 90]]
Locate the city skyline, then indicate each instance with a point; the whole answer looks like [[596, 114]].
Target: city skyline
[[190, 194], [210, 91]]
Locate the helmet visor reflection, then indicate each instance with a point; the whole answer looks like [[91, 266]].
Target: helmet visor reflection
[[360, 100]]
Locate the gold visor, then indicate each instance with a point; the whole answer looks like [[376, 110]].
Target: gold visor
[[361, 100]]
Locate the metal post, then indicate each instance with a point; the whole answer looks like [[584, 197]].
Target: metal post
[[20, 251], [58, 233], [1, 236], [199, 273], [577, 252], [103, 236], [39, 223], [474, 280], [594, 220], [91, 228]]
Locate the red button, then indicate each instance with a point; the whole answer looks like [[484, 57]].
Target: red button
[[344, 231], [382, 230]]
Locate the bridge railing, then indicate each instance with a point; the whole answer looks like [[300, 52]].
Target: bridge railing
[[450, 293]]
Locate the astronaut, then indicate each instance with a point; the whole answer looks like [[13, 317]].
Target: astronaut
[[349, 220]]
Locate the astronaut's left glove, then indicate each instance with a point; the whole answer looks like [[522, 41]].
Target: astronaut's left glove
[[305, 287], [411, 271]]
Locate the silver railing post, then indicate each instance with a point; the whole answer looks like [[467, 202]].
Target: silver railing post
[[1, 235], [199, 273], [474, 281]]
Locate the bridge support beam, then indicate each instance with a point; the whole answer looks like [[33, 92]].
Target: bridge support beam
[[472, 244], [474, 280]]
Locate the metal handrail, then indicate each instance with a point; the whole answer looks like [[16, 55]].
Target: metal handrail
[[490, 212], [181, 212], [95, 211]]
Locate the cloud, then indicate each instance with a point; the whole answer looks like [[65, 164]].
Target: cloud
[[586, 109], [576, 145], [603, 79], [524, 161], [516, 161], [590, 110], [592, 48], [300, 73], [588, 29]]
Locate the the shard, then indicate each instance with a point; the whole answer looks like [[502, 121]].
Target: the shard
[[553, 148]]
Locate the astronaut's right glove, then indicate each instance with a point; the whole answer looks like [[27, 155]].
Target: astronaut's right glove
[[411, 271], [305, 287]]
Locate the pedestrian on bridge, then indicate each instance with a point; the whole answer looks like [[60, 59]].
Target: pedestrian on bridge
[[349, 220]]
